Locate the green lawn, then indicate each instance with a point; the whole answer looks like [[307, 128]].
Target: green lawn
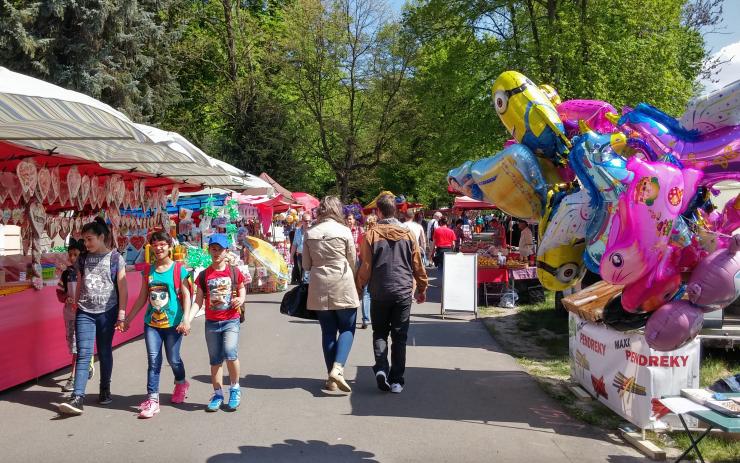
[[549, 364]]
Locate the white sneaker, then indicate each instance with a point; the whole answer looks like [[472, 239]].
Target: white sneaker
[[396, 388]]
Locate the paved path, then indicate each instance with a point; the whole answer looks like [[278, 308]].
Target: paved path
[[465, 401]]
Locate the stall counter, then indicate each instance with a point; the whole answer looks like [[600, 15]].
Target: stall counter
[[32, 333]]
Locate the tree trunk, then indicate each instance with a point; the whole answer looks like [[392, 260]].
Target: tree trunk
[[535, 34], [230, 47], [343, 186]]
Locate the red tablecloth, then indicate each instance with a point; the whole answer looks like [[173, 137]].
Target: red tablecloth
[[32, 333], [492, 275]]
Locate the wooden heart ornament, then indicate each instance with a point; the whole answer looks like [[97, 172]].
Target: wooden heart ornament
[[73, 181], [84, 189], [37, 215], [43, 185], [27, 174]]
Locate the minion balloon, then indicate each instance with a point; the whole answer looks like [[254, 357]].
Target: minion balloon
[[530, 116]]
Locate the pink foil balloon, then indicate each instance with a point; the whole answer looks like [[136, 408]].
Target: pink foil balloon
[[641, 228], [593, 112], [659, 287], [673, 325]]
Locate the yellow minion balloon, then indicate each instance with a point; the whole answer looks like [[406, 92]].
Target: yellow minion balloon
[[529, 116]]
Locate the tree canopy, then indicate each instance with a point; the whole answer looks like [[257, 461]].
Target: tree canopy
[[340, 96]]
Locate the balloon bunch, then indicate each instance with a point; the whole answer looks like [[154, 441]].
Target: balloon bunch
[[625, 197]]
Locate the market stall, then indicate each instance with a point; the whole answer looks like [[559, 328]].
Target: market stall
[[66, 158]]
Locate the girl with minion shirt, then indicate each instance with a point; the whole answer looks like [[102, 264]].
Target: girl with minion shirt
[[166, 294]]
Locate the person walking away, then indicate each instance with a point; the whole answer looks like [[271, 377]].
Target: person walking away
[[459, 234], [298, 239], [526, 241], [222, 288], [165, 292], [444, 240], [412, 225], [357, 234], [330, 256], [66, 292], [100, 307], [419, 219], [391, 262], [431, 227]]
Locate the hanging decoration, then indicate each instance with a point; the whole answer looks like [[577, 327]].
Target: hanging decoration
[[43, 184], [55, 184], [73, 181], [232, 209]]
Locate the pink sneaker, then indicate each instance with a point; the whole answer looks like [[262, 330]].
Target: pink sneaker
[[148, 408], [180, 392]]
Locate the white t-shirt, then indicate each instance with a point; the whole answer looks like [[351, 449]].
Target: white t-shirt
[[417, 230], [431, 225]]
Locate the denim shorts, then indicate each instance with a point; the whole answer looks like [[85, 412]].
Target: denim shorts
[[222, 339]]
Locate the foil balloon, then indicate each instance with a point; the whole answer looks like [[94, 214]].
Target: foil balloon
[[729, 220], [592, 112], [720, 108], [715, 282], [642, 226], [551, 94], [562, 241], [511, 180], [673, 325], [529, 116], [660, 287], [716, 154], [602, 172]]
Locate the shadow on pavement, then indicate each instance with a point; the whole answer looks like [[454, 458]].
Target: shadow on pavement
[[494, 398], [296, 450], [311, 385]]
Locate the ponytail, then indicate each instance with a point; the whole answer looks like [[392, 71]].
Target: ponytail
[[100, 228]]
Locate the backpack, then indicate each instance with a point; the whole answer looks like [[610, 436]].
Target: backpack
[[114, 257], [201, 281]]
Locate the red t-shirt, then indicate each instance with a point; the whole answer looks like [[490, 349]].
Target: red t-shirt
[[219, 292], [444, 237]]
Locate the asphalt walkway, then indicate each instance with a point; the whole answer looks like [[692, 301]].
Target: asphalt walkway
[[464, 401]]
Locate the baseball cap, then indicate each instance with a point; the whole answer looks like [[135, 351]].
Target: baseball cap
[[219, 239]]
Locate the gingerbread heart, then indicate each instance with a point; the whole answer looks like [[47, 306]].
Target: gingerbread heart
[[43, 185], [73, 181], [37, 215], [84, 189], [64, 227], [17, 216], [120, 192], [63, 194], [142, 191], [137, 241], [55, 184], [114, 215], [27, 174], [15, 190], [7, 215]]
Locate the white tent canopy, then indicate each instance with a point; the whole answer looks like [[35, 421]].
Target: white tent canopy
[[44, 116]]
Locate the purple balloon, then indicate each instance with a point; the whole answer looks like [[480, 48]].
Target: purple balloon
[[673, 325], [715, 282]]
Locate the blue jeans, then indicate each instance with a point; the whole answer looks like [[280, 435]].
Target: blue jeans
[[336, 348], [154, 339], [222, 340], [92, 329]]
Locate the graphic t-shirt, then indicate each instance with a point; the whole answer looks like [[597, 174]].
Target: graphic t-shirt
[[98, 293], [219, 293], [164, 310]]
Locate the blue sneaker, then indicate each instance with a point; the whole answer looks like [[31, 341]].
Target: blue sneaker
[[235, 398], [216, 401]]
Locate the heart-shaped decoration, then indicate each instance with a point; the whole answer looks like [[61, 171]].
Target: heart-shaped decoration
[[174, 195], [137, 241], [84, 189], [122, 242], [7, 215], [114, 215], [27, 174], [78, 224], [73, 181], [15, 190], [37, 215], [55, 183], [53, 227], [79, 202], [63, 195], [64, 227], [142, 191], [109, 192], [120, 192], [135, 187], [17, 217], [43, 185], [94, 190], [3, 194]]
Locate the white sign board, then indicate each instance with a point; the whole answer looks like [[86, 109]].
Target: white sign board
[[459, 291], [624, 373]]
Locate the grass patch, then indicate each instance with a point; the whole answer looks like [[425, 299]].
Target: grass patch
[[537, 337]]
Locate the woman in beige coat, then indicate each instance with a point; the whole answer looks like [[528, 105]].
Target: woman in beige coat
[[329, 254]]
